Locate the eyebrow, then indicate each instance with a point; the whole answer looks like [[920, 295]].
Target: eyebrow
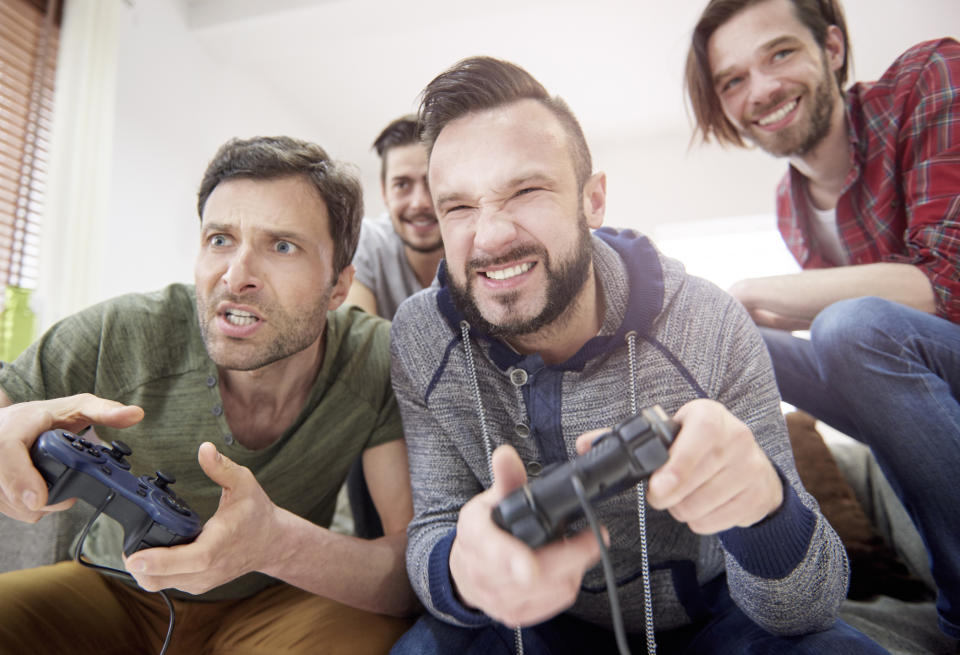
[[282, 235], [766, 47]]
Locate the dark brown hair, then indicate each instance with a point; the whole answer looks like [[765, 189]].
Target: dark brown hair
[[816, 15], [480, 83], [404, 131], [266, 158]]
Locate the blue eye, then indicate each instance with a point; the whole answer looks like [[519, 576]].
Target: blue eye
[[731, 83], [285, 247], [218, 240], [781, 54]]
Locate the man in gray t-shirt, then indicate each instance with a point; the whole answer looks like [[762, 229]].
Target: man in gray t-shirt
[[400, 250], [398, 255]]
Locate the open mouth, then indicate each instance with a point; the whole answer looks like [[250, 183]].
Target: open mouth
[[779, 114], [239, 317], [507, 273]]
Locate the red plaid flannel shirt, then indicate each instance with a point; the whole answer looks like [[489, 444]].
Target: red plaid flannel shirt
[[901, 199]]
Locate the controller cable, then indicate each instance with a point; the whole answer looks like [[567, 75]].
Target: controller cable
[[608, 575], [78, 557]]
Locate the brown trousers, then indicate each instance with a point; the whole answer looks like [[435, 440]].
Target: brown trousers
[[67, 608]]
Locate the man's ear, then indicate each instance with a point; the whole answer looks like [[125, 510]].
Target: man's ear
[[835, 48], [595, 199], [341, 288]]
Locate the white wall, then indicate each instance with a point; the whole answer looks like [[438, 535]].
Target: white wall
[[185, 87]]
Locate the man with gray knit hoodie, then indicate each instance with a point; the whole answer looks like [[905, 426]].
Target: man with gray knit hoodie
[[541, 331]]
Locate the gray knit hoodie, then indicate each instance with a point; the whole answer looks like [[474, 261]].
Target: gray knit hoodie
[[666, 339]]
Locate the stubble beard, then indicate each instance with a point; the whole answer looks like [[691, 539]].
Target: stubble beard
[[292, 333], [427, 248], [564, 287]]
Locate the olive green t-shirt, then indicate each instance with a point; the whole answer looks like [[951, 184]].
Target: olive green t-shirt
[[146, 350]]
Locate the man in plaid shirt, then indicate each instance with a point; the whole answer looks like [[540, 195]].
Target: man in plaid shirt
[[869, 207]]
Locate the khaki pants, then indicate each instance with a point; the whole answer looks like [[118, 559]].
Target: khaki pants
[[67, 608]]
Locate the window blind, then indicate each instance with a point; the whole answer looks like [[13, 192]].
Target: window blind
[[28, 54]]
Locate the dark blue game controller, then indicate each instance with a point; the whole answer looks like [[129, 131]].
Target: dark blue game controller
[[539, 512], [146, 507]]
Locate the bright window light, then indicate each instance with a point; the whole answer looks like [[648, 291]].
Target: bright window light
[[724, 250]]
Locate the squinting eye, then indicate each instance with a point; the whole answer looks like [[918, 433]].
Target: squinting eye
[[285, 247]]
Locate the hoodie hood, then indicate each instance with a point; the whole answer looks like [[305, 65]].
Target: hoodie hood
[[644, 299]]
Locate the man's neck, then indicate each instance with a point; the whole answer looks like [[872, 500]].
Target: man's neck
[[579, 323], [827, 165], [424, 264], [261, 404]]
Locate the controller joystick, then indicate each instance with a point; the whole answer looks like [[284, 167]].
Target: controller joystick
[[163, 481], [119, 451], [539, 511], [147, 509]]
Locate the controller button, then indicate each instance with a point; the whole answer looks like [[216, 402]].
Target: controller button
[[217, 409], [534, 468], [141, 491], [228, 439], [518, 377], [211, 381], [69, 436], [106, 469], [522, 430], [77, 445], [85, 443]]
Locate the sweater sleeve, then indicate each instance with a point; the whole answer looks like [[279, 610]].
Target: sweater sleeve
[[442, 481], [789, 572]]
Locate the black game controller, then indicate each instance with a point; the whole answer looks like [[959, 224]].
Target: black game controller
[[539, 512], [147, 509]]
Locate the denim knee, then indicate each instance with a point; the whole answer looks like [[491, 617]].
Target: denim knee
[[849, 332]]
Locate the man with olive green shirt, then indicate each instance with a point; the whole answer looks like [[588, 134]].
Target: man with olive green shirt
[[255, 375]]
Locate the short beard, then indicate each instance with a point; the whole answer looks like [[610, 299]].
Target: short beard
[[433, 247], [818, 127], [563, 289], [294, 334]]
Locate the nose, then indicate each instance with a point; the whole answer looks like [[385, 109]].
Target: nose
[[420, 200], [495, 232], [242, 272], [763, 88]]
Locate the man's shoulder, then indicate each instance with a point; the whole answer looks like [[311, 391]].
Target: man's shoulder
[[377, 232], [358, 337], [420, 313], [931, 60]]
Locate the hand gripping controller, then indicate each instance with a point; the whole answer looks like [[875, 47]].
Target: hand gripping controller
[[539, 511], [147, 509]]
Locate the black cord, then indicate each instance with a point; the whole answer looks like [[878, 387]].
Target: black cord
[[78, 557], [618, 628]]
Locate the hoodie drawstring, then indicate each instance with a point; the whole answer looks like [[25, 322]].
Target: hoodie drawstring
[[487, 444], [631, 338]]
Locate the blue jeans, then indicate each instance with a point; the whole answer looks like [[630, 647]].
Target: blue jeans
[[889, 376], [727, 632]]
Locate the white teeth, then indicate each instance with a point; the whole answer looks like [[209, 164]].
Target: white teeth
[[239, 317], [507, 273], [778, 115]]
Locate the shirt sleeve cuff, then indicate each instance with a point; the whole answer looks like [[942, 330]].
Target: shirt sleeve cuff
[[775, 546], [442, 596]]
